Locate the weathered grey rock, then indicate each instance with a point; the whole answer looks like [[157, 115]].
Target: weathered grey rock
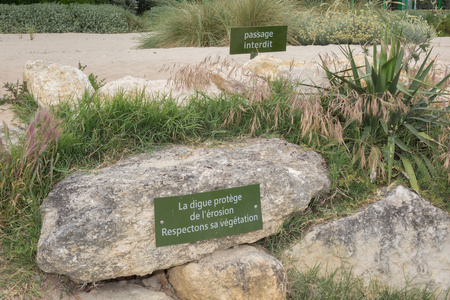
[[51, 83], [244, 272], [116, 291], [152, 89], [101, 225], [10, 134], [401, 238], [295, 71], [215, 74], [11, 129], [133, 86], [152, 282]]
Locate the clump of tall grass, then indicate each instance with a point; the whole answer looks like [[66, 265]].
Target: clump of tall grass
[[24, 168], [194, 24], [186, 25], [239, 13], [27, 173]]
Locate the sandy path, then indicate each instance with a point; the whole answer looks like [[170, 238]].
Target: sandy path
[[113, 56]]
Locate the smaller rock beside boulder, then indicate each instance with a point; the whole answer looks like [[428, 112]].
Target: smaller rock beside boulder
[[295, 71], [117, 291], [400, 239], [243, 272], [11, 129], [132, 87], [51, 83]]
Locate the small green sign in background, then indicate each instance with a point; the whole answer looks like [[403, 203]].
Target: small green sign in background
[[196, 217], [258, 39]]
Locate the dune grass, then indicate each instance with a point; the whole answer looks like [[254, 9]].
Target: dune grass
[[204, 24]]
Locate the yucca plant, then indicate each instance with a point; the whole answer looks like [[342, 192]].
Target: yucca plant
[[398, 117]]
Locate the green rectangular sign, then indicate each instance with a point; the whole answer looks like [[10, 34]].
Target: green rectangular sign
[[197, 217], [258, 39]]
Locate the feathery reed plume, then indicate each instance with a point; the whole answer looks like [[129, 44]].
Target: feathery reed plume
[[24, 164], [222, 72]]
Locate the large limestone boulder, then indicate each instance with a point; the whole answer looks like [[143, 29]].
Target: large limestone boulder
[[244, 272], [401, 238], [51, 83], [100, 225]]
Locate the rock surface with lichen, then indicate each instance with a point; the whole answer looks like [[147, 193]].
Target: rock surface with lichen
[[100, 225], [400, 239]]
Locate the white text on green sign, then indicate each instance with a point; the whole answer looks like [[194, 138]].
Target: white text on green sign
[[196, 217], [258, 39]]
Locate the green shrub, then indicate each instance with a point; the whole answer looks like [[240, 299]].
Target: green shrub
[[21, 2], [337, 27], [338, 24], [438, 19], [444, 27], [414, 28], [56, 18], [98, 19]]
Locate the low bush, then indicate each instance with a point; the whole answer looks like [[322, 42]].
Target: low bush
[[438, 19], [336, 27], [21, 2], [337, 23], [57, 18]]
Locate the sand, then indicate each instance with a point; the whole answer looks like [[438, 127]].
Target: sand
[[113, 56]]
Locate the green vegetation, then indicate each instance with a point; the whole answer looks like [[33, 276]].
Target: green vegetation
[[22, 2], [337, 23], [342, 284], [389, 118], [54, 18], [438, 19], [208, 23]]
